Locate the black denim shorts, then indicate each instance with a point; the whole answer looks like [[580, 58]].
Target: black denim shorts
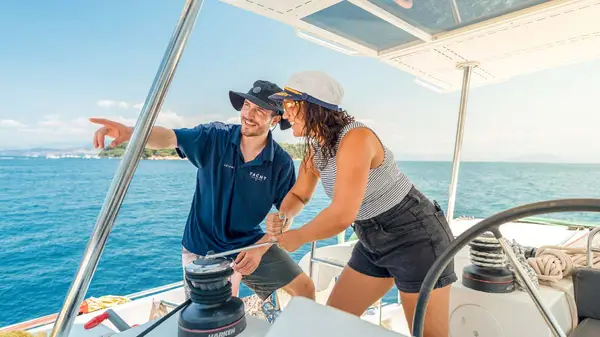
[[403, 243]]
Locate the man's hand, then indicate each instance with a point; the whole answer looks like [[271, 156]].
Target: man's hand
[[247, 261], [276, 223], [121, 133], [290, 240]]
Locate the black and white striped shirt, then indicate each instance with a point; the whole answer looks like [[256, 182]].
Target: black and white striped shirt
[[386, 186]]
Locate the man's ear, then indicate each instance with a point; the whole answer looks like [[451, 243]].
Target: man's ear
[[275, 120]]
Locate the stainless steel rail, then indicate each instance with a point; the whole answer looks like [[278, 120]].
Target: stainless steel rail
[[127, 167], [590, 249], [313, 246], [532, 290], [233, 251], [314, 259], [467, 70], [327, 263]]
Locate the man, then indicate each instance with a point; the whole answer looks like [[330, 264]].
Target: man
[[242, 173]]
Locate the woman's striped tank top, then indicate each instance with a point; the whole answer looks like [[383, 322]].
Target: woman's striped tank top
[[386, 187]]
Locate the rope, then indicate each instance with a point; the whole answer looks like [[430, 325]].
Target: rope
[[22, 334], [553, 263], [530, 272], [549, 265], [485, 251], [104, 302]]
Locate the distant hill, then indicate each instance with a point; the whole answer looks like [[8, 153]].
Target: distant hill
[[43, 152], [118, 152], [538, 158], [294, 150]]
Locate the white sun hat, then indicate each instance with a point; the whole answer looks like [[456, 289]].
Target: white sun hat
[[312, 86]]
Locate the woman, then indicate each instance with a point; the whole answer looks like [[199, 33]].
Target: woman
[[400, 231]]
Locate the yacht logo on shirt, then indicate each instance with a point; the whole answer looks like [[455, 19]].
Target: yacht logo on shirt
[[257, 177]]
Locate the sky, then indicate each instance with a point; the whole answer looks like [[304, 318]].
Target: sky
[[65, 61]]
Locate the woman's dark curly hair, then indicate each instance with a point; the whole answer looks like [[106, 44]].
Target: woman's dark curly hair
[[324, 126]]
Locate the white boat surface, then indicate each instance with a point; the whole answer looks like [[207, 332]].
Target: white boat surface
[[505, 310], [450, 47]]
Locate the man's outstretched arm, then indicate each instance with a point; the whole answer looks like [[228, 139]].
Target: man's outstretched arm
[[191, 143], [160, 137]]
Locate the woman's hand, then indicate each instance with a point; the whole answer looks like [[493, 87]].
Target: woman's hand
[[290, 240], [276, 223]]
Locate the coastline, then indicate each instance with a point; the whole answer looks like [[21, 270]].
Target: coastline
[[294, 150], [163, 158]]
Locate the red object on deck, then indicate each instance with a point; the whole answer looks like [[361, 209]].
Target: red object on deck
[[92, 323], [83, 308]]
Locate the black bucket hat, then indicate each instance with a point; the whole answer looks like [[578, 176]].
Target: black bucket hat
[[259, 95]]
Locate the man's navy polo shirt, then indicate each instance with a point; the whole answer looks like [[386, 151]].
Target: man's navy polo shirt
[[232, 197]]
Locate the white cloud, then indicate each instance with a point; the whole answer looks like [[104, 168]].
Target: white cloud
[[368, 122], [50, 123], [79, 131], [169, 119], [10, 123], [233, 120], [81, 122], [109, 104]]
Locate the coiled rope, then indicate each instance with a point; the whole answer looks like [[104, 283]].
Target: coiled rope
[[553, 263], [98, 303], [549, 265]]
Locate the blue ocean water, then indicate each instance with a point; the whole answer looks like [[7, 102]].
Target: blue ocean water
[[48, 208]]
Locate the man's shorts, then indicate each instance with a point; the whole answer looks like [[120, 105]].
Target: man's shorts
[[275, 271]]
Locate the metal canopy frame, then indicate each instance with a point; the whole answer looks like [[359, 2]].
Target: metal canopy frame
[[422, 36], [443, 45], [392, 19]]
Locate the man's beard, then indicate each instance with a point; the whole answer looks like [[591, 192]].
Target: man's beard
[[253, 131]]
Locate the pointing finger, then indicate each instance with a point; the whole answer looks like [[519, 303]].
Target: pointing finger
[[103, 121]]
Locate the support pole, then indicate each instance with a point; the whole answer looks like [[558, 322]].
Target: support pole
[[590, 248], [313, 247], [127, 167], [467, 69]]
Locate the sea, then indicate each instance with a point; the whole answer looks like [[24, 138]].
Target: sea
[[48, 208]]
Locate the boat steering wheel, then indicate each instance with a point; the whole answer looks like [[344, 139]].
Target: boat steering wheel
[[492, 224]]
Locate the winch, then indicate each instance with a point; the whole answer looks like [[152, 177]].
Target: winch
[[489, 271], [213, 311]]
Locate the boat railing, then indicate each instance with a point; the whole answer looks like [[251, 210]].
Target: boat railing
[[334, 264], [156, 290], [590, 249]]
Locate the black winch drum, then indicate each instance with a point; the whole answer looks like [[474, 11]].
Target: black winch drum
[[488, 273], [213, 312]]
